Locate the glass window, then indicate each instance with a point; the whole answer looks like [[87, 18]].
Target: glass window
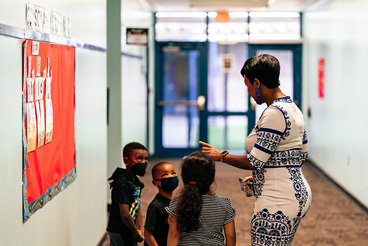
[[226, 89], [236, 30], [181, 26], [274, 26], [180, 127], [228, 132], [192, 26]]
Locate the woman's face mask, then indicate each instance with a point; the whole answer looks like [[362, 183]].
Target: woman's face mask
[[169, 184]]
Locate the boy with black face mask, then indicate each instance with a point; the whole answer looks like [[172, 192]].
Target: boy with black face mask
[[125, 219], [156, 227]]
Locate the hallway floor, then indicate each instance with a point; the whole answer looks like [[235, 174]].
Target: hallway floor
[[333, 218]]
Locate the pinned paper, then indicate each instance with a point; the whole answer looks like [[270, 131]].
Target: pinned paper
[[29, 66], [30, 18], [35, 48], [49, 121], [40, 124], [38, 71], [31, 127]]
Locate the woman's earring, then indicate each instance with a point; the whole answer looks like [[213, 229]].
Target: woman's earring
[[258, 97]]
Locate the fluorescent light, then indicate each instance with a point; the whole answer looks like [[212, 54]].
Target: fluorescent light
[[274, 14], [181, 14], [274, 36], [238, 14]]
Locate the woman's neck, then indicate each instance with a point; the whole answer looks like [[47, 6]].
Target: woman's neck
[[273, 94]]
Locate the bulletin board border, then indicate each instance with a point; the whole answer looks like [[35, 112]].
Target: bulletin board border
[[30, 208]]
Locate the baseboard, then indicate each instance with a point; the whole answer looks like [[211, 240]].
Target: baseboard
[[104, 240], [339, 187]]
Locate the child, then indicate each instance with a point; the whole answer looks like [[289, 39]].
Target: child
[[197, 215], [125, 219], [156, 227]]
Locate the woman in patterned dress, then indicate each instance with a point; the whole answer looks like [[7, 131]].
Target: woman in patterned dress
[[277, 147]]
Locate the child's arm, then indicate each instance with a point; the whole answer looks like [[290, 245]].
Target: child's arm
[[230, 235], [174, 232], [138, 221], [149, 238], [129, 222]]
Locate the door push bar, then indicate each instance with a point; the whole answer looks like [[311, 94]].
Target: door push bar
[[200, 103]]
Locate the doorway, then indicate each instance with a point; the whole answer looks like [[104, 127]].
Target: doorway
[[181, 93], [200, 94]]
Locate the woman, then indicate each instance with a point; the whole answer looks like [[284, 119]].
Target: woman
[[277, 147]]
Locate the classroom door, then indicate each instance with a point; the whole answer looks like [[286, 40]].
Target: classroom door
[[181, 92]]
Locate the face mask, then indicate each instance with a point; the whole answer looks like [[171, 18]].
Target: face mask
[[139, 168], [169, 184]]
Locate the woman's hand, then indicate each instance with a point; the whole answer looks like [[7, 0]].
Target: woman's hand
[[246, 188], [213, 152]]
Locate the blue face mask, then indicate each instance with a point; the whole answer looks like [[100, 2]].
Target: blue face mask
[[169, 184]]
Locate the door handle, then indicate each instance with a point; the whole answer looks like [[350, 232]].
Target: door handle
[[200, 103]]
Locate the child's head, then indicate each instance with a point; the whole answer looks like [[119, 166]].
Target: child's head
[[135, 158], [164, 177], [198, 174], [198, 169]]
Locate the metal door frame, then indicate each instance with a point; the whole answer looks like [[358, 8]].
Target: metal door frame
[[202, 47]]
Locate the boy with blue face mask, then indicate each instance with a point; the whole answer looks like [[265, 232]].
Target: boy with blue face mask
[[156, 227]]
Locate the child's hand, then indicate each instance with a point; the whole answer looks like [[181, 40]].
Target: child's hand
[[138, 237]]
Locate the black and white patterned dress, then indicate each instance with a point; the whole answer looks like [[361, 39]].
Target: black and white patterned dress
[[277, 146]]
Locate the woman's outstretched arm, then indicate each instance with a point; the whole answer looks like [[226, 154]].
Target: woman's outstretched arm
[[239, 161]]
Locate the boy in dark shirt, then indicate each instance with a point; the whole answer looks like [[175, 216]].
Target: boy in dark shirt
[[125, 219], [156, 227]]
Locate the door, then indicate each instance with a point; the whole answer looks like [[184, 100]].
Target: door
[[181, 92], [228, 110], [290, 58]]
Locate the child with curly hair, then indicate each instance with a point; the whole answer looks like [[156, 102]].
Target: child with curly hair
[[198, 216]]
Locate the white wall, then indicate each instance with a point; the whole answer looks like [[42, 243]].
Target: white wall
[[134, 76], [77, 215], [337, 31]]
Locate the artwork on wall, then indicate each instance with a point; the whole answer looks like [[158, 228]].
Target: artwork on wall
[[321, 78], [48, 122]]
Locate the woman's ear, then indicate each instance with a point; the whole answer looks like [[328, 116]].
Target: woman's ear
[[257, 83]]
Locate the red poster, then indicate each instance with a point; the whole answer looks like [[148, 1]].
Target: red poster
[[48, 122], [321, 78]]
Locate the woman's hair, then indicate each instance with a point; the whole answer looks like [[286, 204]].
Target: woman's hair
[[198, 174], [266, 68]]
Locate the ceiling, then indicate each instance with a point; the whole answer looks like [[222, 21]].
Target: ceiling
[[228, 5]]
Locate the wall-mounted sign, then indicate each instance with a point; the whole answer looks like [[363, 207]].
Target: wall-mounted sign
[[228, 62], [138, 36], [321, 78], [222, 17]]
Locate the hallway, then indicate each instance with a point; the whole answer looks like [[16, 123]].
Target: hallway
[[333, 218]]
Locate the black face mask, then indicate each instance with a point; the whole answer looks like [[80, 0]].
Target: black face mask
[[169, 184], [139, 168]]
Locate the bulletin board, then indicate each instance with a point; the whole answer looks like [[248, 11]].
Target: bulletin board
[[48, 122]]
